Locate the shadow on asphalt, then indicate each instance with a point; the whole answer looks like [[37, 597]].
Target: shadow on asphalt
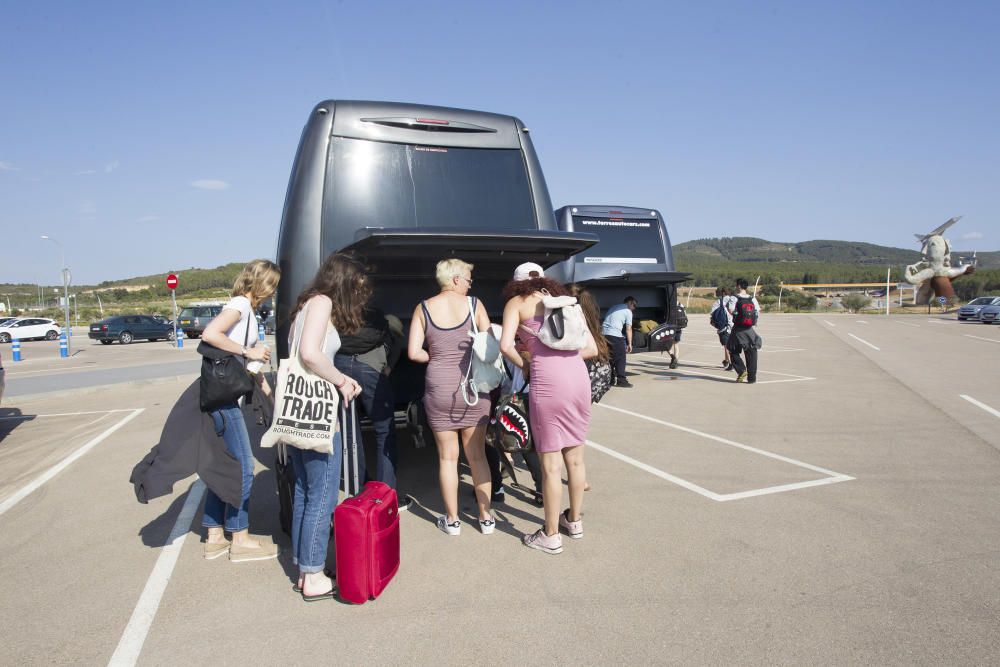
[[10, 419]]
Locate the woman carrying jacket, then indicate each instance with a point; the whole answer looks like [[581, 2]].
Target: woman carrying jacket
[[235, 330]]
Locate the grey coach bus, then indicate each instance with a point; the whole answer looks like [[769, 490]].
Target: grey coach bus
[[404, 186], [634, 257]]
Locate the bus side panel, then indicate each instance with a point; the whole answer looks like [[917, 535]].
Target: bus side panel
[[301, 221]]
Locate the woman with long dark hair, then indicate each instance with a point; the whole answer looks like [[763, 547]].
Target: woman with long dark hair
[[234, 330], [558, 403], [333, 304]]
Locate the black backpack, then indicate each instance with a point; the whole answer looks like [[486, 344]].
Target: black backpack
[[720, 320], [746, 313]]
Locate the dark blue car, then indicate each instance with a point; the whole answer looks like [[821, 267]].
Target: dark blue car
[[127, 328]]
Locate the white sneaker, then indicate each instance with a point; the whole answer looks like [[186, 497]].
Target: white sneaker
[[454, 528], [487, 526]]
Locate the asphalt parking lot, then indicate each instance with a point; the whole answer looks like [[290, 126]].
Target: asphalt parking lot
[[841, 510]]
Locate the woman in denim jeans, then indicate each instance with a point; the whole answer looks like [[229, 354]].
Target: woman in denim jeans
[[235, 330], [336, 301]]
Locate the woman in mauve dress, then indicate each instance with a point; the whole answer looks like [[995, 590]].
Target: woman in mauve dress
[[558, 403], [439, 337]]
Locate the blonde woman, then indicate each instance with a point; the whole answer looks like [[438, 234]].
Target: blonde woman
[[443, 323], [235, 330]]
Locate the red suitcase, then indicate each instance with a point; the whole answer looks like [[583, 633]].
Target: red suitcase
[[366, 528]]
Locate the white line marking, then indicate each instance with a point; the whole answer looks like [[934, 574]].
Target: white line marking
[[718, 497], [978, 404], [908, 324], [861, 322], [688, 369], [724, 441], [62, 465], [830, 323], [863, 341], [130, 645], [656, 471], [72, 414], [992, 340], [937, 321]]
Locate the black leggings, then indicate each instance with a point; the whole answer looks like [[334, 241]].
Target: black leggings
[[531, 460]]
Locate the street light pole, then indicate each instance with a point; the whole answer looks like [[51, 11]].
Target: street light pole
[[66, 279]]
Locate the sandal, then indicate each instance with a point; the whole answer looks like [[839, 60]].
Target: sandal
[[329, 595]]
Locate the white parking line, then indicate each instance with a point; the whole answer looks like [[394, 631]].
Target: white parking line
[[832, 477], [979, 404], [71, 414], [861, 322], [992, 340], [134, 636], [907, 324], [830, 323], [30, 488], [689, 368], [862, 340]]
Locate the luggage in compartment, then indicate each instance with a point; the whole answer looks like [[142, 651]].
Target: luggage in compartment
[[366, 526]]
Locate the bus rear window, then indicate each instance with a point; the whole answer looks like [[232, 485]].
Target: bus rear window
[[377, 184], [623, 240]]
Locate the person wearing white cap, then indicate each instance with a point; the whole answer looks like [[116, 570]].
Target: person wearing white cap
[[558, 403]]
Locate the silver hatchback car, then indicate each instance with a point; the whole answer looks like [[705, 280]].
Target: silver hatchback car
[[971, 310], [990, 314]]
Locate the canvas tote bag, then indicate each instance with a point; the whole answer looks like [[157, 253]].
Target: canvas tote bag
[[305, 405]]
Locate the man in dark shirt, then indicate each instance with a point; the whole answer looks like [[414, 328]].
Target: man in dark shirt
[[366, 357]]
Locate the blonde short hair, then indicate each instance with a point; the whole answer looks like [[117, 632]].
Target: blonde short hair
[[259, 279], [449, 268]]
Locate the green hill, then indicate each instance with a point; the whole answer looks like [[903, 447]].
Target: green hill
[[716, 261]]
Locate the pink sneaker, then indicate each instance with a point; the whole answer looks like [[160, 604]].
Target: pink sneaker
[[573, 528], [550, 544]]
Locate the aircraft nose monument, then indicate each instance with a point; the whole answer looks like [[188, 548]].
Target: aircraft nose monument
[[934, 273]]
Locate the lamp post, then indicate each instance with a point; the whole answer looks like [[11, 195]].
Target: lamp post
[[66, 279]]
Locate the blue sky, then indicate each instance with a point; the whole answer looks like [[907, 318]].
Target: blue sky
[[156, 136]]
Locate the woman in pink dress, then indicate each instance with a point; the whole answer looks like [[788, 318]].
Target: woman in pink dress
[[558, 403], [439, 337]]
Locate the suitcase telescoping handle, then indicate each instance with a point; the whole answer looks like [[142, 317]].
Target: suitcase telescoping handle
[[349, 440]]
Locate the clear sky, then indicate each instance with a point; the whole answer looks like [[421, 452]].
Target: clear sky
[[149, 136]]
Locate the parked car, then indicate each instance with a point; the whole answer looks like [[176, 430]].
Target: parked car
[[194, 319], [27, 328], [970, 311], [270, 325], [127, 328], [990, 314], [6, 320]]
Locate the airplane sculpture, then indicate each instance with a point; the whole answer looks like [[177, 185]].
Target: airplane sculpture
[[934, 273]]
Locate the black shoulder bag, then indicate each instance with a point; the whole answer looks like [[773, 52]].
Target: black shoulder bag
[[224, 376]]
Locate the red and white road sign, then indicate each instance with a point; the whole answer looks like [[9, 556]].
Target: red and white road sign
[[172, 281]]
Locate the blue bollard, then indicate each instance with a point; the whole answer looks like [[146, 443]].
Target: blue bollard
[[15, 349], [180, 339], [63, 345], [260, 332]]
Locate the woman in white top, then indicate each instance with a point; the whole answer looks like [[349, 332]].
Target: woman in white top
[[332, 305], [235, 330]]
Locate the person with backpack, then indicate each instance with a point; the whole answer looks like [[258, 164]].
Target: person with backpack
[[743, 339], [722, 320], [439, 337], [617, 330], [551, 325]]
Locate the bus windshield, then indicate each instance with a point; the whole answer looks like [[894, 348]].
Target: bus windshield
[[379, 184], [623, 240]]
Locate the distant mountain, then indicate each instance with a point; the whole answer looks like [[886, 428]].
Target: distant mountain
[[751, 249]]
